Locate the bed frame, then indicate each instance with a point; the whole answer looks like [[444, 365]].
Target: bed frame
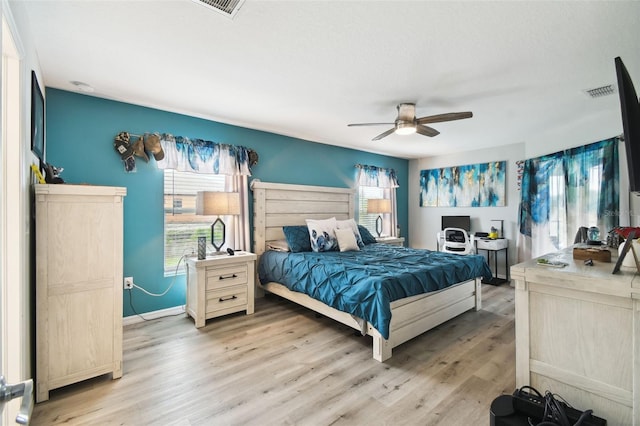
[[277, 205]]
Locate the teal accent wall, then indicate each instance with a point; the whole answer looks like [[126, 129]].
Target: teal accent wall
[[80, 131]]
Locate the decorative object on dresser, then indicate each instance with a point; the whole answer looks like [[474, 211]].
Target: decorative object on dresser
[[211, 203], [599, 254], [220, 285], [622, 253], [379, 207], [79, 256]]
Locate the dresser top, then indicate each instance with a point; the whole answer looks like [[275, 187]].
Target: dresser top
[[598, 278], [70, 189]]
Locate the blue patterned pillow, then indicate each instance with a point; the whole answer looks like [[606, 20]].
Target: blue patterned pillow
[[297, 238], [322, 234], [367, 238]]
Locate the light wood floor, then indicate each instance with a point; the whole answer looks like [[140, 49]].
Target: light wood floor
[[286, 366]]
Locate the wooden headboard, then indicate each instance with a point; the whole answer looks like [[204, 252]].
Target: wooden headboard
[[277, 204]]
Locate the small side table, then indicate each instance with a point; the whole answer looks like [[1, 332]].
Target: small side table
[[395, 241], [220, 285], [495, 246]]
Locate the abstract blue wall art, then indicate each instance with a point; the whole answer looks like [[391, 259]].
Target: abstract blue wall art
[[471, 185], [429, 188]]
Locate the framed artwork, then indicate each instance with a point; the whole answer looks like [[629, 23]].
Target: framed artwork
[[37, 118], [628, 245], [470, 185]]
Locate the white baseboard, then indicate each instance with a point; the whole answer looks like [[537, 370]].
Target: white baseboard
[[134, 319]]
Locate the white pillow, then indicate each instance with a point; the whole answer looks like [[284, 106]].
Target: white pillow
[[322, 234], [346, 240], [278, 245], [351, 224]]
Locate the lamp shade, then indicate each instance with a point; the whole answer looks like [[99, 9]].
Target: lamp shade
[[209, 203], [378, 206]]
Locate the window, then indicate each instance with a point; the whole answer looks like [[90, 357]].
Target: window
[[181, 225], [368, 220], [567, 190], [560, 215]]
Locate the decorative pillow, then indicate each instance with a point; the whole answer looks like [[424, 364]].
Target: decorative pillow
[[367, 238], [346, 240], [351, 224], [322, 234], [297, 238], [278, 245]]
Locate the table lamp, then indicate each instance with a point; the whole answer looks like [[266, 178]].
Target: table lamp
[[209, 203], [379, 206]]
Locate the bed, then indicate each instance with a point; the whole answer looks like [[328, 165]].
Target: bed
[[277, 205]]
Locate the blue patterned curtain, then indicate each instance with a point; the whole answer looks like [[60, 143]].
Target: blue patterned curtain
[[376, 177], [566, 190], [200, 156]]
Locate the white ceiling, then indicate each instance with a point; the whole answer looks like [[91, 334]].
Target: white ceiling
[[308, 68]]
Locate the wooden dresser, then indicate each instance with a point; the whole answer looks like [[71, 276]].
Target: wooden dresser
[[578, 334], [79, 252], [220, 285]]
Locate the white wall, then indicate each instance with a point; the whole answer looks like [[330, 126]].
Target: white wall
[[424, 222]]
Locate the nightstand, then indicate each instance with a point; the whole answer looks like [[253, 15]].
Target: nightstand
[[220, 285], [395, 241]]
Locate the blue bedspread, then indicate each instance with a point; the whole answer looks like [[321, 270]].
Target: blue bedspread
[[365, 282]]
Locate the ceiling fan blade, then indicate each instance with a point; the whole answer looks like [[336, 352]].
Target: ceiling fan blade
[[370, 124], [426, 130], [384, 135], [445, 117]]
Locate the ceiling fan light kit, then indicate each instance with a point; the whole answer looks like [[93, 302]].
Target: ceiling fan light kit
[[406, 123], [405, 128]]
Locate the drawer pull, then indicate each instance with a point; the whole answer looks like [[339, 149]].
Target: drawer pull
[[228, 277], [222, 299]]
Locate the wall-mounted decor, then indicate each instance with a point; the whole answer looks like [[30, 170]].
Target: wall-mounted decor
[[37, 118], [473, 185]]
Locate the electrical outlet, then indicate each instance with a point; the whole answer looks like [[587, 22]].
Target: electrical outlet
[[128, 283]]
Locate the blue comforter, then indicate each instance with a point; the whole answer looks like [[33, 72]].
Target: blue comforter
[[364, 283]]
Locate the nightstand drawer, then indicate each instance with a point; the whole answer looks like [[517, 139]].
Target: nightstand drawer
[[226, 298], [226, 277]]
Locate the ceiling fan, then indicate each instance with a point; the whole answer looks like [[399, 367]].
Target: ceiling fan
[[407, 123]]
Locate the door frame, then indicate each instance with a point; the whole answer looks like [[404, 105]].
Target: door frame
[[15, 223]]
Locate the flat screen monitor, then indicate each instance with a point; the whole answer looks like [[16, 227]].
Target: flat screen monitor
[[630, 108], [462, 222]]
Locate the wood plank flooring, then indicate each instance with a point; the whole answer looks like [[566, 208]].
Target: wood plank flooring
[[284, 365]]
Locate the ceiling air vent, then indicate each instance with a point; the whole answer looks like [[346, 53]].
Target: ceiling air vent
[[601, 91], [228, 8]]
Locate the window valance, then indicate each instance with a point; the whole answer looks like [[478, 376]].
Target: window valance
[[376, 177], [200, 156]]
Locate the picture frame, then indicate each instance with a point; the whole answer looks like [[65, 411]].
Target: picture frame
[[37, 119], [628, 245]]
